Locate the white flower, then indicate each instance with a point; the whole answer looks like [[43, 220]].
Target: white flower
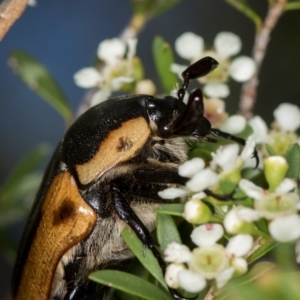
[[202, 180], [216, 90], [260, 129], [239, 245], [287, 116], [191, 281], [189, 46], [234, 124], [242, 68], [191, 167], [207, 234], [239, 264], [227, 44], [225, 157], [177, 253], [100, 96], [285, 228], [111, 50], [88, 77], [172, 193], [286, 186], [171, 275], [209, 261]]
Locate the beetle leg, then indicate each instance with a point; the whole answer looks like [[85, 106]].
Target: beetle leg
[[126, 214]]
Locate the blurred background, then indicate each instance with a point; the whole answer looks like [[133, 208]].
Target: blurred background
[[64, 36]]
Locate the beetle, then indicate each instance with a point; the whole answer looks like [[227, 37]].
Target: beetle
[[105, 174]]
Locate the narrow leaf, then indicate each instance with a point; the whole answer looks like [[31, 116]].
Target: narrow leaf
[[35, 75], [152, 8], [148, 260], [163, 58], [293, 158], [267, 245], [129, 283], [270, 150], [171, 209], [166, 231], [26, 166]]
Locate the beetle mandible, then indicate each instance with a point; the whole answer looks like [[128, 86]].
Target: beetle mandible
[[106, 173]]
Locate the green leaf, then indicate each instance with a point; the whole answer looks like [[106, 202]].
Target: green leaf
[[170, 209], [129, 283], [163, 58], [246, 132], [267, 245], [270, 150], [35, 75], [148, 260], [293, 158], [166, 231], [152, 8], [257, 176]]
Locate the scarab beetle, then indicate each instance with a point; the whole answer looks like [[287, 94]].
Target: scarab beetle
[[106, 173]]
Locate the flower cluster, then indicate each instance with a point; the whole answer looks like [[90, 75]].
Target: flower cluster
[[119, 70], [190, 270], [274, 200], [226, 45]]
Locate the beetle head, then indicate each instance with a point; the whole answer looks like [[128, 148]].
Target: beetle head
[[175, 118]]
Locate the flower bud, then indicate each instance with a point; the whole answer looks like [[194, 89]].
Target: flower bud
[[171, 275], [196, 212], [275, 170]]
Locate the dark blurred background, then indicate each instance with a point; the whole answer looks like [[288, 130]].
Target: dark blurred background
[[64, 35]]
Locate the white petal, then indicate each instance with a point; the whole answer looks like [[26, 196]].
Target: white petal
[[88, 77], [242, 68], [287, 185], [225, 157], [251, 189], [224, 276], [207, 234], [227, 44], [260, 129], [234, 124], [191, 281], [172, 193], [198, 196], [285, 228], [191, 167], [99, 97], [202, 180], [177, 69], [248, 149], [247, 214], [111, 50], [239, 245], [171, 275], [216, 90], [177, 253], [287, 116], [118, 82], [189, 46]]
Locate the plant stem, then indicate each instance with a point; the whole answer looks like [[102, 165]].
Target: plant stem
[[209, 295], [134, 27], [10, 11], [249, 88]]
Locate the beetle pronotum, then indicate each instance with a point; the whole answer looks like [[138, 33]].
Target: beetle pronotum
[[106, 173]]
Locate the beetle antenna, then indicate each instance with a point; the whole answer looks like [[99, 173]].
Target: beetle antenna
[[198, 69]]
